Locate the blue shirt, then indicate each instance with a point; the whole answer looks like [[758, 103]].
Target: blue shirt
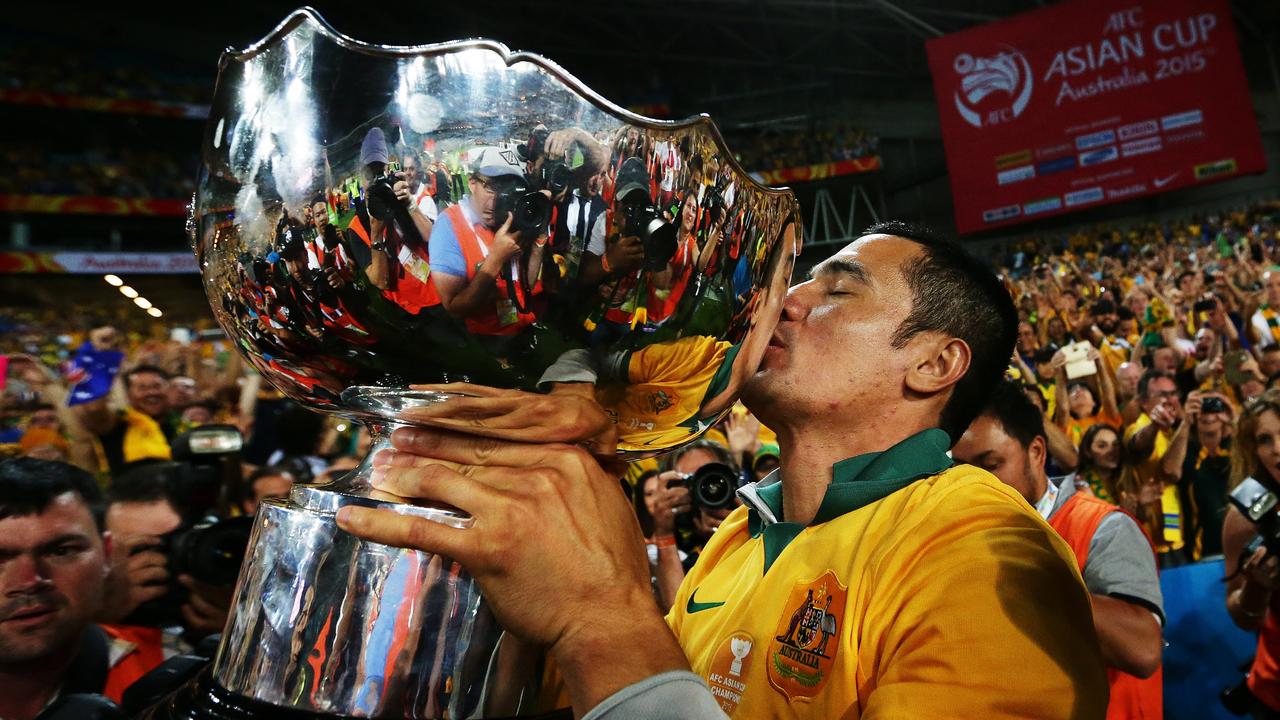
[[443, 248]]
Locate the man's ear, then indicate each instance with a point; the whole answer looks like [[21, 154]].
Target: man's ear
[[938, 363], [1038, 452]]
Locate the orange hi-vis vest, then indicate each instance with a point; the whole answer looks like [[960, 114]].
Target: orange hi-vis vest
[[145, 653], [1132, 698], [412, 293], [501, 317], [1264, 675]]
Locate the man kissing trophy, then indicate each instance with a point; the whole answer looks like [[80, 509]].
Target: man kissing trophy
[[553, 259]]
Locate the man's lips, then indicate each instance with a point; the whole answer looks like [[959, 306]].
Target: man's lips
[[33, 614]]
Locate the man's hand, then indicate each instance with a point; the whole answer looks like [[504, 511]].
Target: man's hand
[[1163, 415], [505, 246], [672, 498], [624, 254], [1192, 410], [743, 432], [1262, 569], [554, 546], [404, 193], [335, 278], [568, 414], [207, 607], [139, 574]]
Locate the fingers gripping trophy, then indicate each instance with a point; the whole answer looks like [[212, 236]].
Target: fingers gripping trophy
[[460, 237]]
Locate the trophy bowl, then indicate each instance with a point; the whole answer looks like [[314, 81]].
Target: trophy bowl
[[370, 218]]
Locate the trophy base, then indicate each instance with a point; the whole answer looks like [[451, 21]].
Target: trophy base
[[203, 699], [327, 624]]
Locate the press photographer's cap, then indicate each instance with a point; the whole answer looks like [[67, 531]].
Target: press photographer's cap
[[374, 148], [497, 162], [633, 175]]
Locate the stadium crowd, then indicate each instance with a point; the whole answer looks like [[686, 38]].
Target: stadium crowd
[[1149, 352]]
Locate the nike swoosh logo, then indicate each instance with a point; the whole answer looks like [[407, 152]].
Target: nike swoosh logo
[[695, 606], [1161, 182]]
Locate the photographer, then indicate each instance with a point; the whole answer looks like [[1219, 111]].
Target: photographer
[[1253, 577], [394, 226], [482, 271], [53, 574], [1147, 440], [142, 516]]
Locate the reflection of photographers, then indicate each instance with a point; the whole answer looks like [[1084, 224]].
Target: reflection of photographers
[[394, 225], [695, 494], [1249, 546], [643, 241], [488, 248]]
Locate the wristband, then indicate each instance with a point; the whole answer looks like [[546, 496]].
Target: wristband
[[604, 263], [664, 541]]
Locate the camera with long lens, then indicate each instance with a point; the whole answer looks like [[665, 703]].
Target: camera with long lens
[[382, 203], [713, 205], [1258, 503], [291, 238], [712, 487], [530, 210], [657, 236], [206, 465]]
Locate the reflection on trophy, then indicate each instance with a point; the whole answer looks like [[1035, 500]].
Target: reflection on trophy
[[374, 222]]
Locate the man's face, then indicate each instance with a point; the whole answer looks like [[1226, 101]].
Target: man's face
[[1162, 390], [270, 486], [1107, 322], [986, 445], [53, 570], [148, 394], [1027, 340], [1204, 343], [483, 196], [1270, 363], [182, 390], [44, 418], [1165, 360], [838, 326], [1188, 285], [1127, 377], [320, 216], [1271, 281]]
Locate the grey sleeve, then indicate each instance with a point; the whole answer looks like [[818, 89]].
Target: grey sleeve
[[677, 695], [1121, 563], [574, 366]]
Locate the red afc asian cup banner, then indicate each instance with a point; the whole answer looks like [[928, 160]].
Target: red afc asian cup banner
[[1091, 102]]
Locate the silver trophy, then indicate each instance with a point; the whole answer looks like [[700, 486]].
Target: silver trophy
[[371, 218]]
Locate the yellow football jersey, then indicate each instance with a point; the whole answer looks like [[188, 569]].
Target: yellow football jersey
[[667, 385], [947, 598]]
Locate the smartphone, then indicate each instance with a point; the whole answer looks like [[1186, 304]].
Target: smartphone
[[1231, 366], [182, 336]]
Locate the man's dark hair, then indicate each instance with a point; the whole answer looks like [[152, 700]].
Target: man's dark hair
[[1265, 350], [956, 294], [28, 486], [1147, 378], [141, 370], [1182, 275], [146, 482], [1124, 313], [1020, 418]]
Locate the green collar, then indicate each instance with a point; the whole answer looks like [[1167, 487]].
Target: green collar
[[855, 482]]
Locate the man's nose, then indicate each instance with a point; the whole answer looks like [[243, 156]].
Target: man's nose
[[23, 575]]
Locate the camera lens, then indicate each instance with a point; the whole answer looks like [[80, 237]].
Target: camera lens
[[212, 553], [713, 486]]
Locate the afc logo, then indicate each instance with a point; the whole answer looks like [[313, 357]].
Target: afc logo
[[993, 90]]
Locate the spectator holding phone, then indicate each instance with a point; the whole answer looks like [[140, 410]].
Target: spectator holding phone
[[1079, 404], [1198, 464]]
